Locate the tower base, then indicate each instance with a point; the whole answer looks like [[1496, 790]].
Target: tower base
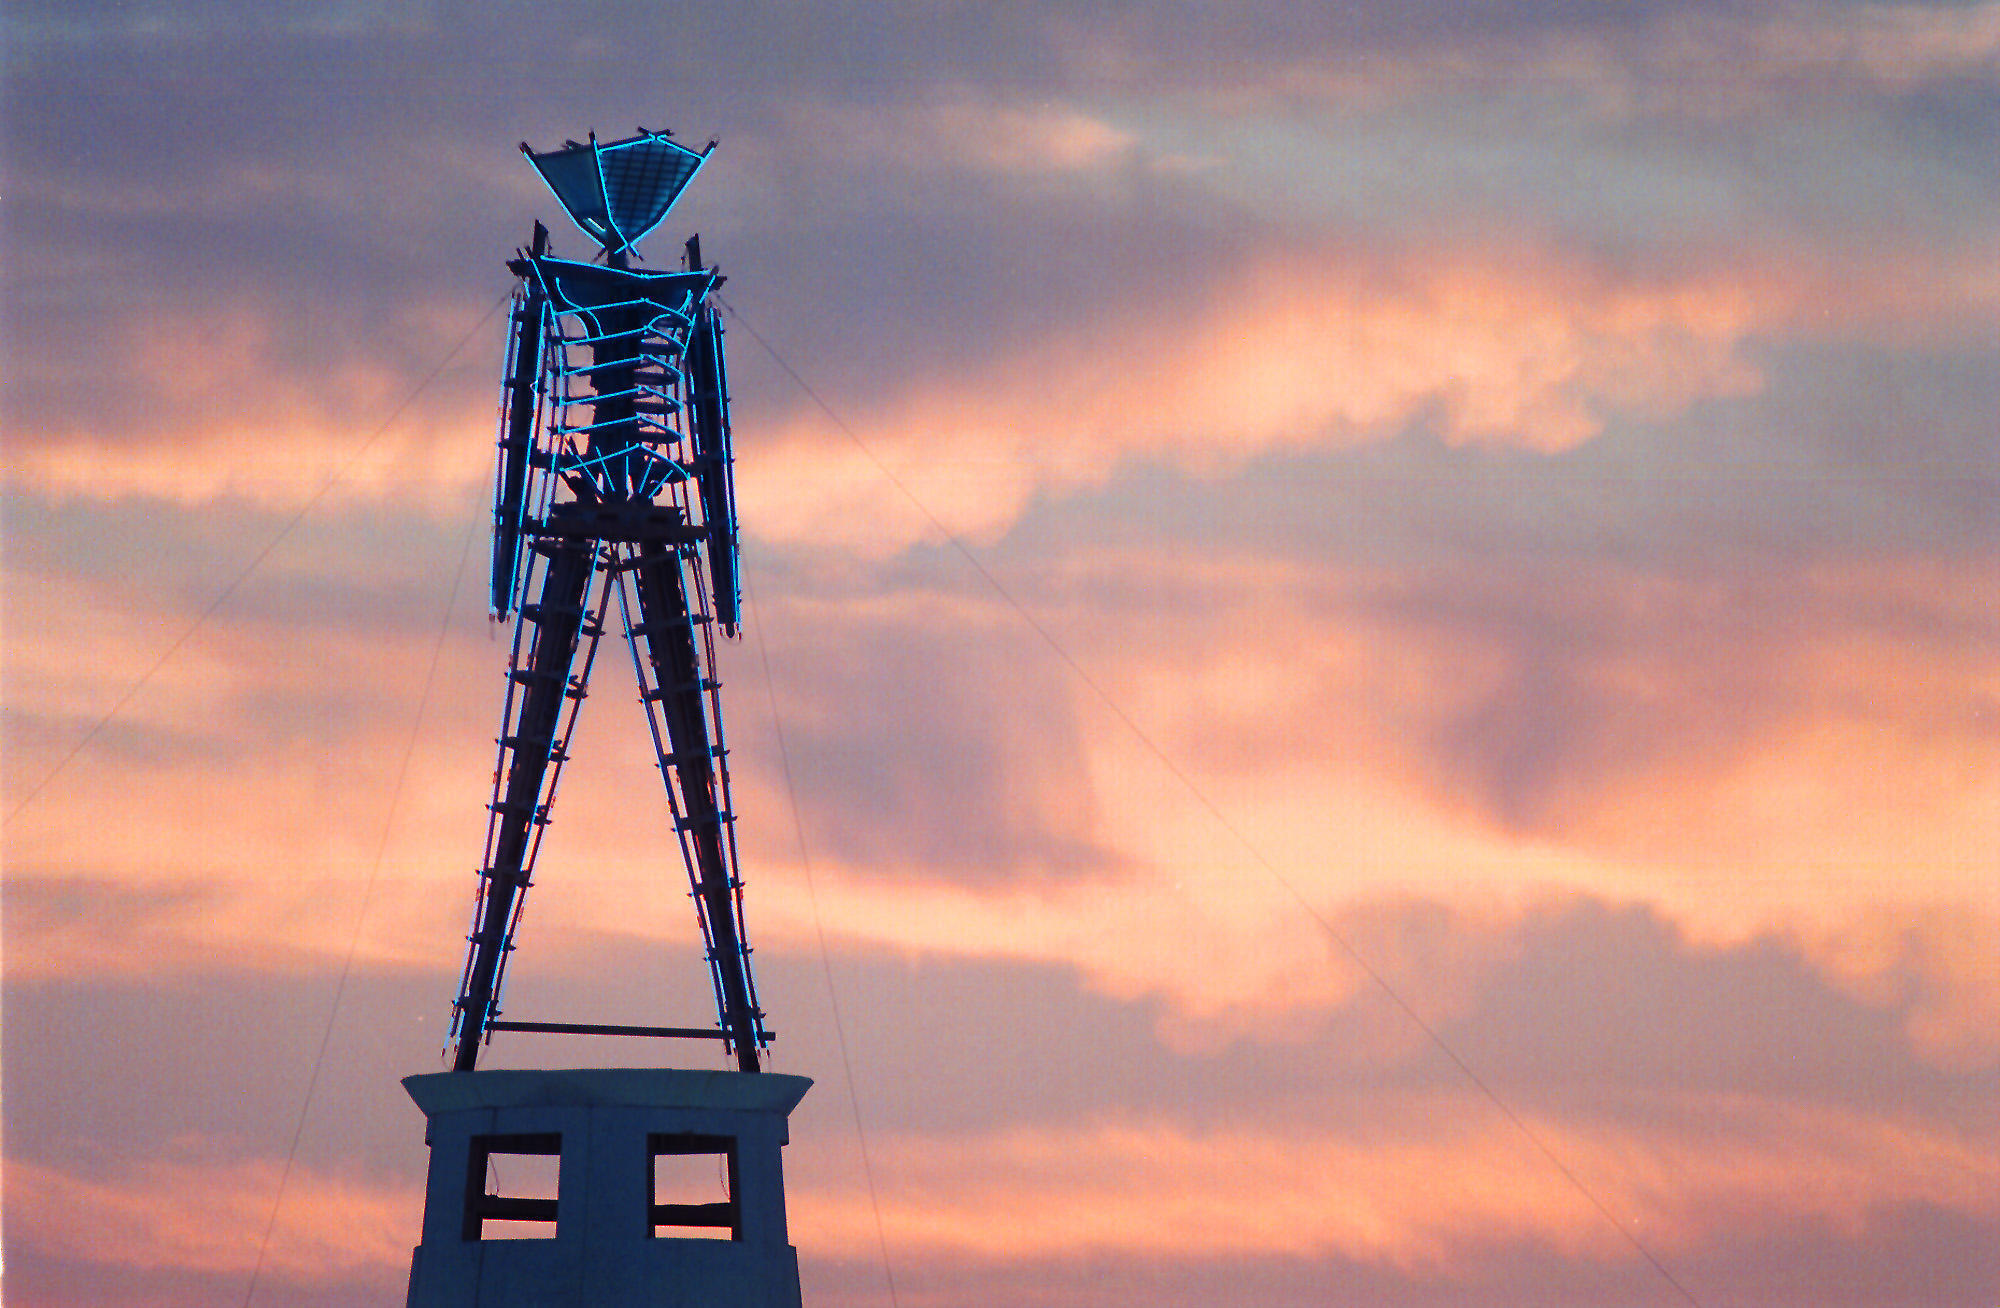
[[651, 1187]]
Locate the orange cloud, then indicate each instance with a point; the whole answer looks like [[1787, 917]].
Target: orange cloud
[[1944, 963], [1418, 1182], [225, 403], [1893, 46], [1300, 349], [1293, 353], [1852, 814], [965, 130], [1423, 1183], [211, 1217], [1803, 777]]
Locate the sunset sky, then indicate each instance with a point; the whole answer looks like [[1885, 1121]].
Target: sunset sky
[[1383, 626]]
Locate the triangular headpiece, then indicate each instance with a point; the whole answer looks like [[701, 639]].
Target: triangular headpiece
[[617, 192]]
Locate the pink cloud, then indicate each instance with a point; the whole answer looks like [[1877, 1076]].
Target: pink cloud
[[965, 129], [204, 1216], [1295, 352], [1820, 778], [1701, 60], [1425, 1183]]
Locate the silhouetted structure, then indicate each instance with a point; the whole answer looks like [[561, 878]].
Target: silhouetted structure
[[614, 479]]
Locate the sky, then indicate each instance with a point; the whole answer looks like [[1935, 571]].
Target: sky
[[1369, 676]]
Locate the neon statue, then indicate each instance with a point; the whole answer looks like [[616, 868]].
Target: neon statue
[[614, 479]]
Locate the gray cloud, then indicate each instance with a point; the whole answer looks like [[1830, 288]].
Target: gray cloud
[[1903, 1258], [1583, 1011], [322, 176], [1588, 1015], [920, 753]]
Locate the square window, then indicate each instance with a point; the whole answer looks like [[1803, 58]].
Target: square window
[[511, 1187], [694, 1187]]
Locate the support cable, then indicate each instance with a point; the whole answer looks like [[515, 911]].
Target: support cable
[[1270, 869], [361, 916], [256, 561], [819, 931]]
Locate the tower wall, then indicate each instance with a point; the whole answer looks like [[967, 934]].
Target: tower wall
[[612, 1243]]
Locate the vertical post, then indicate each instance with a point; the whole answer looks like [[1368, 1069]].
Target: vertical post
[[517, 443]]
